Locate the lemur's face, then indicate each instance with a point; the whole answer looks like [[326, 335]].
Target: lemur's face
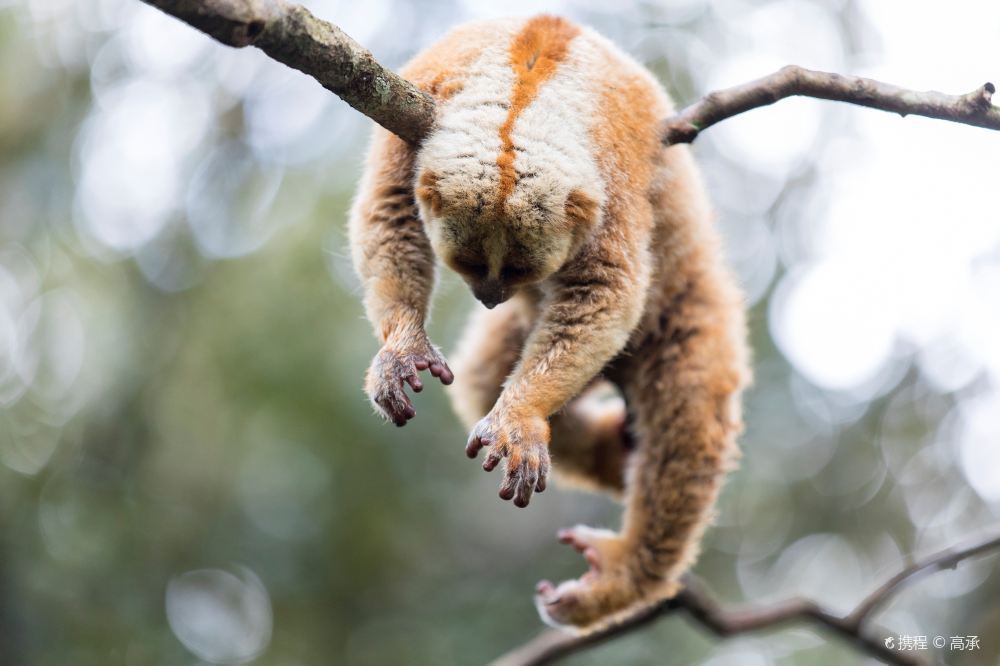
[[499, 246]]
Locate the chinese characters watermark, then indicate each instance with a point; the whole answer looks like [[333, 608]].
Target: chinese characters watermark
[[907, 643]]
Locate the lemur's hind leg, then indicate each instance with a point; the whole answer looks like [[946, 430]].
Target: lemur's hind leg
[[681, 386], [588, 444], [486, 355]]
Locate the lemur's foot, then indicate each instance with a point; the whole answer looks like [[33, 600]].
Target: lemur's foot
[[604, 590], [524, 442], [396, 365]]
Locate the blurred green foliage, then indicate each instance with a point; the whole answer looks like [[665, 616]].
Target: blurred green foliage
[[189, 471]]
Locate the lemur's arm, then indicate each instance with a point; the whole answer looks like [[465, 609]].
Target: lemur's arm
[[393, 256], [590, 308]]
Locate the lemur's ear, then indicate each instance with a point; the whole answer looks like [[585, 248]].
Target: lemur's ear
[[427, 191], [582, 209]]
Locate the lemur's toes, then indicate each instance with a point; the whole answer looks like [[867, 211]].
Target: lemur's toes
[[602, 591], [560, 606], [601, 549], [581, 537]]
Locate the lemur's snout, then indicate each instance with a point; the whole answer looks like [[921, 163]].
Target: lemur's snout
[[490, 293]]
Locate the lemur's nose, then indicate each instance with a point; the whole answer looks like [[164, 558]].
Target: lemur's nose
[[490, 293]]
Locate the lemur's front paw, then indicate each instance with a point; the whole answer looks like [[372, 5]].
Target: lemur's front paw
[[398, 364], [605, 589], [524, 442]]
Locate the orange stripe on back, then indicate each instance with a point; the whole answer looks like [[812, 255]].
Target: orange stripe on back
[[535, 54]]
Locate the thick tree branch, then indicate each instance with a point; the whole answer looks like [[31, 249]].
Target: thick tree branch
[[700, 606], [290, 34], [975, 108]]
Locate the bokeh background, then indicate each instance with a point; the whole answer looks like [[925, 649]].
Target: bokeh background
[[189, 472]]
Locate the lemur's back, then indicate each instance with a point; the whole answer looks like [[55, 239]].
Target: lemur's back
[[529, 103]]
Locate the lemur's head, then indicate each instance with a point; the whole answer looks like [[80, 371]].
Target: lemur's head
[[507, 183], [500, 243]]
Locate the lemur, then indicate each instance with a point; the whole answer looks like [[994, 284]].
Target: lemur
[[546, 187]]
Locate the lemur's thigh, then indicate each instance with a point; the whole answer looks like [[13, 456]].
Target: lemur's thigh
[[487, 353], [589, 444], [682, 392]]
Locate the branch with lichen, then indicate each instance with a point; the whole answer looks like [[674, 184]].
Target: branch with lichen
[[698, 604], [290, 34]]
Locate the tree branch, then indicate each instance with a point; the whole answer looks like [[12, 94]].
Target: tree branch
[[290, 34], [700, 606], [975, 108]]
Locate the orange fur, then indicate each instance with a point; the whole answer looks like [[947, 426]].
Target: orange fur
[[534, 55], [617, 280]]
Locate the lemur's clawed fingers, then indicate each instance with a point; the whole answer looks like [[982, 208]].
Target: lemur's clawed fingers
[[415, 383], [526, 470], [523, 442], [385, 389], [492, 460], [476, 443], [438, 367], [397, 366]]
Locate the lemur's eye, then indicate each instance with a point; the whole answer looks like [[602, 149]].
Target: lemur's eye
[[472, 267], [514, 272]]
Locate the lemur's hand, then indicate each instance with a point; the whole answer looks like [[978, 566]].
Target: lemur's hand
[[523, 439], [399, 363]]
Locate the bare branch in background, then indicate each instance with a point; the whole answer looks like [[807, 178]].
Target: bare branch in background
[[290, 34], [700, 606], [975, 108]]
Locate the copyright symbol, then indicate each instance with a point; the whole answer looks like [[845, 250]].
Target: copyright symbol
[[939, 641]]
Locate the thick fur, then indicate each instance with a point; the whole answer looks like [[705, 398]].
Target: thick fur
[[546, 187]]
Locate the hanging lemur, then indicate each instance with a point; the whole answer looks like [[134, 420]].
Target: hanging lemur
[[545, 185]]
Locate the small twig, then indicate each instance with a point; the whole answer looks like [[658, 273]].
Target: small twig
[[975, 108], [946, 559], [290, 34], [700, 606]]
